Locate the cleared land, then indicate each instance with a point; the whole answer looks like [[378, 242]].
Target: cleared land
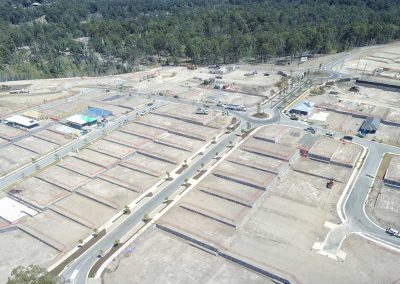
[[344, 106], [148, 265], [38, 192], [383, 204], [277, 234], [18, 248]]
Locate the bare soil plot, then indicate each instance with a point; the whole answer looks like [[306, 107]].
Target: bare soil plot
[[81, 166], [38, 192], [19, 248], [387, 134], [13, 157], [230, 190], [9, 133], [148, 165], [256, 161], [126, 177], [322, 170], [165, 153], [214, 207], [324, 148], [3, 141], [83, 210], [182, 264], [179, 127], [187, 113], [127, 139], [309, 190], [130, 101], [97, 158], [384, 208], [37, 145], [197, 226], [108, 193], [179, 142], [146, 131], [55, 229], [62, 177], [112, 149], [52, 136], [244, 175], [273, 150]]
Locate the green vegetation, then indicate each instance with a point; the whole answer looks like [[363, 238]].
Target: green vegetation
[[94, 37], [32, 275]]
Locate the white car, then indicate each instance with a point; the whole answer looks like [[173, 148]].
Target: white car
[[392, 232], [329, 134]]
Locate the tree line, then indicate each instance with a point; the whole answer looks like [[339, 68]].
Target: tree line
[[88, 37]]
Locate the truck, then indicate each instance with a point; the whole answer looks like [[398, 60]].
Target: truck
[[251, 73], [191, 66], [235, 107], [329, 184], [19, 91], [202, 110]]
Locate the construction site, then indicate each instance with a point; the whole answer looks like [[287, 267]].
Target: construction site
[[173, 162], [381, 62], [86, 189], [264, 213], [354, 108]]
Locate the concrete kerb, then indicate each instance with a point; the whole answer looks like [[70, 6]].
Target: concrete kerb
[[369, 191], [169, 206], [350, 185], [378, 242], [153, 189]]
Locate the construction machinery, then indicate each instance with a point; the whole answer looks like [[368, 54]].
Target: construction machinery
[[191, 66], [303, 152], [329, 184]]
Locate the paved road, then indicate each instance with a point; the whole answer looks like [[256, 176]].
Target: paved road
[[80, 268]]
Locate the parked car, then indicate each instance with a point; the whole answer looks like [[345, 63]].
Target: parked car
[[348, 138], [310, 129], [329, 134]]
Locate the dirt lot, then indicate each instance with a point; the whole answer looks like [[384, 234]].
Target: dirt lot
[[278, 233], [383, 204], [108, 193], [38, 192], [18, 248], [386, 56], [365, 101], [182, 264]]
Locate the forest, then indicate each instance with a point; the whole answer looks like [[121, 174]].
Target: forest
[[62, 38]]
